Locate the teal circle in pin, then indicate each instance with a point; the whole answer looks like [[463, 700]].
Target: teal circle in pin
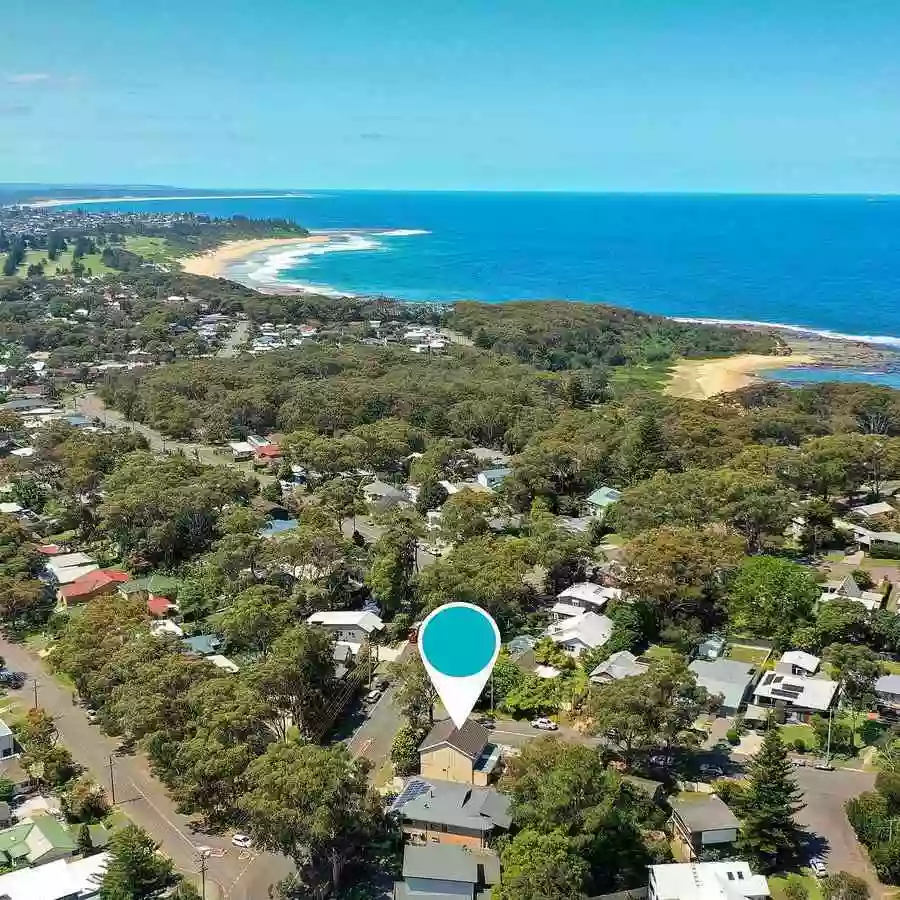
[[459, 640]]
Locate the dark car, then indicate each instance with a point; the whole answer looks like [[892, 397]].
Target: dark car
[[14, 680]]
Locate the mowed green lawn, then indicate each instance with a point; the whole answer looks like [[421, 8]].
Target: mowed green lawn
[[153, 248], [94, 262]]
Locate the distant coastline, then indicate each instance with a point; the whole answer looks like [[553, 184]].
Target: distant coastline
[[216, 263], [83, 201]]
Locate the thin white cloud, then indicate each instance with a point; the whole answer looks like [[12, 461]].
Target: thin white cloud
[[28, 77]]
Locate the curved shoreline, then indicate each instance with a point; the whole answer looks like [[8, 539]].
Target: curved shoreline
[[700, 379], [215, 263]]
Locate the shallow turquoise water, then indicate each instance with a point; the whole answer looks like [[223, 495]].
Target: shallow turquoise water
[[812, 375]]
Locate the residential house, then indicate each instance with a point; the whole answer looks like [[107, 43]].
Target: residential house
[[799, 662], [701, 822], [381, 496], [730, 880], [617, 666], [202, 644], [6, 816], [873, 510], [492, 478], [878, 543], [165, 627], [64, 568], [99, 583], [887, 693], [586, 631], [34, 841], [155, 586], [599, 501], [223, 663], [728, 679], [447, 812], [463, 755], [655, 791], [268, 453], [11, 769], [7, 741], [160, 607], [241, 450], [354, 626], [846, 588], [445, 872], [62, 879], [582, 597], [801, 697]]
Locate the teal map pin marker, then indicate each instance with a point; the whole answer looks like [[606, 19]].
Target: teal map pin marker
[[459, 644]]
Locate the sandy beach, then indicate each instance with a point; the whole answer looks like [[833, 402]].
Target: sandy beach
[[697, 379], [213, 263]]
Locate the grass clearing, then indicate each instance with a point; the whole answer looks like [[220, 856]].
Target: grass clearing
[[755, 656], [63, 262], [778, 884], [648, 377], [791, 733], [155, 249]]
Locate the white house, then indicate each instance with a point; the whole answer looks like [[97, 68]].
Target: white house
[[887, 692], [68, 567], [63, 879], [586, 631], [617, 666], [731, 880], [798, 662], [871, 510], [241, 450], [800, 696], [846, 588], [7, 744], [492, 478], [354, 626], [585, 596]]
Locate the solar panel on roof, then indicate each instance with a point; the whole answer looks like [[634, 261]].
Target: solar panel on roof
[[414, 788]]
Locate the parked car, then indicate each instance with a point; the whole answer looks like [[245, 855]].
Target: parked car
[[373, 696], [817, 864], [711, 771], [13, 680], [487, 722], [544, 724], [242, 840]]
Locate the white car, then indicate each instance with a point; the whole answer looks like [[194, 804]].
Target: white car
[[817, 864], [373, 696], [242, 840], [544, 724]]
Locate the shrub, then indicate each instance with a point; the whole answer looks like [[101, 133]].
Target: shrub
[[799, 745], [733, 736], [795, 888]]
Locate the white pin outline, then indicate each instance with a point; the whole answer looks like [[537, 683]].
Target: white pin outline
[[459, 693]]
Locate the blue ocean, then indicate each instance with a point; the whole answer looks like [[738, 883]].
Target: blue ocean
[[830, 263]]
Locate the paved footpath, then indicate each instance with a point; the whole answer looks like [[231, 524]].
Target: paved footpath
[[232, 874]]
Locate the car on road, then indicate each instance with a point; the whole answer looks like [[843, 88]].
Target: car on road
[[544, 724], [242, 840], [817, 864], [373, 696], [487, 722], [710, 771]]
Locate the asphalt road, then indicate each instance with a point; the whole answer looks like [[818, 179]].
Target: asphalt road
[[235, 340], [235, 875]]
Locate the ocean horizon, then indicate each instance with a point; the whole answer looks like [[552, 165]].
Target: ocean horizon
[[821, 263]]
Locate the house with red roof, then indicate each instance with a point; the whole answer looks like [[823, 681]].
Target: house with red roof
[[159, 607], [268, 452], [94, 584]]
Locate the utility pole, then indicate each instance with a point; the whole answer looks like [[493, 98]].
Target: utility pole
[[112, 779], [828, 742], [492, 693], [204, 855], [35, 685]]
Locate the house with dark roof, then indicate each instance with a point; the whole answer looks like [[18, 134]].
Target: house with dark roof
[[445, 872], [699, 822], [446, 812], [463, 755]]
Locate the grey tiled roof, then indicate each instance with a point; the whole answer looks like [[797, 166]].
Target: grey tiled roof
[[470, 740]]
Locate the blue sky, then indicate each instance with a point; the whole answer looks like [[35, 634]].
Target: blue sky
[[672, 95]]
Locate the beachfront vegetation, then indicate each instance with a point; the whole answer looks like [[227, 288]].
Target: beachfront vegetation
[[559, 335]]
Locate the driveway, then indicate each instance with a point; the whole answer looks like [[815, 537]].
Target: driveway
[[832, 837], [235, 875]]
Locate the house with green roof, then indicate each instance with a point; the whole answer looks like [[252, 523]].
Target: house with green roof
[[600, 500], [34, 841], [148, 588]]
